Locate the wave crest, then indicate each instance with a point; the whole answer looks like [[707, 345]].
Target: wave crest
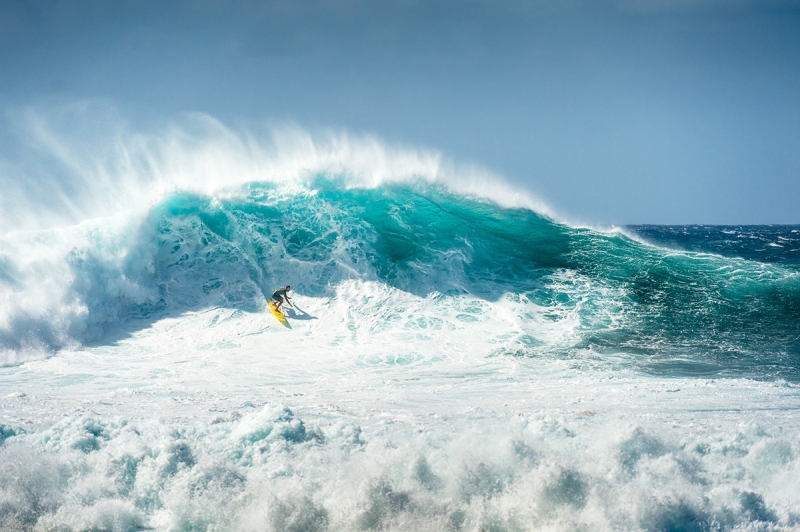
[[80, 162]]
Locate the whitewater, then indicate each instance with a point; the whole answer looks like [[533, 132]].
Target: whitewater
[[457, 358]]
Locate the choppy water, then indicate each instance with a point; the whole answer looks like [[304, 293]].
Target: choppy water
[[763, 243], [452, 364]]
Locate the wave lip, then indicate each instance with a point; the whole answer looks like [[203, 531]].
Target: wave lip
[[58, 177]]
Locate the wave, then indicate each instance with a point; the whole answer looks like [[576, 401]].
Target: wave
[[79, 162], [666, 312]]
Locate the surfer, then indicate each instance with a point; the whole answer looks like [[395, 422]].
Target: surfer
[[280, 295]]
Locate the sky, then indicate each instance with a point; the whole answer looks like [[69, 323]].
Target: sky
[[610, 112]]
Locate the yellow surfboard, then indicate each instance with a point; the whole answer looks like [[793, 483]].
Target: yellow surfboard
[[278, 314]]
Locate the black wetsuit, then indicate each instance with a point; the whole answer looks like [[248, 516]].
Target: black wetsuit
[[279, 294]]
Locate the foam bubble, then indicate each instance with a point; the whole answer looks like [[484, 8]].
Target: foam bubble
[[270, 470]]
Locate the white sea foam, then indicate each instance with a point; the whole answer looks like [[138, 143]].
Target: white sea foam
[[53, 282]]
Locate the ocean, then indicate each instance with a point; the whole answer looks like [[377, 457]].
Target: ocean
[[453, 362]]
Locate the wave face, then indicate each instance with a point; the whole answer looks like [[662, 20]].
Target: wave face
[[661, 311]]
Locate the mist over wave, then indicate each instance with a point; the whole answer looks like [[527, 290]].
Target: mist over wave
[[64, 165]]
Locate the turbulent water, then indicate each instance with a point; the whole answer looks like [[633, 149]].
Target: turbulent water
[[450, 364]]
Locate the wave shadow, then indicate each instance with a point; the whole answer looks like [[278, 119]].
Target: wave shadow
[[297, 313]]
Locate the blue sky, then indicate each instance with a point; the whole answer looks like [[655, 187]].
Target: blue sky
[[622, 111]]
